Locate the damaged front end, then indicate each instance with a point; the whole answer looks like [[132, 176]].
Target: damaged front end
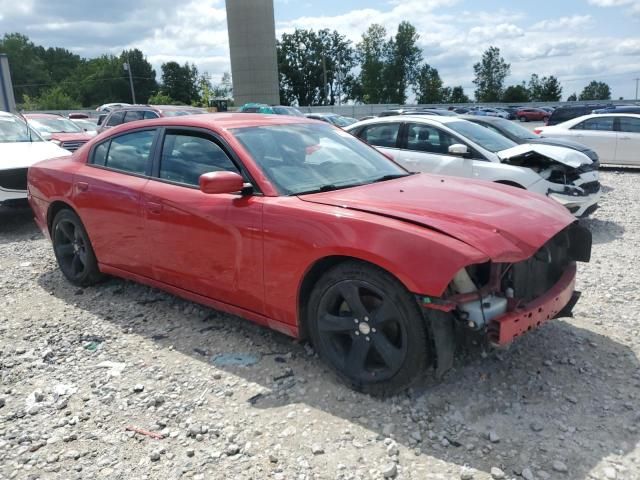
[[505, 300], [568, 176]]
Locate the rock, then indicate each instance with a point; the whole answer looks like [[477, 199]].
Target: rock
[[317, 449], [537, 426], [138, 388], [560, 467], [390, 470], [610, 473], [273, 458], [496, 473], [527, 474], [190, 452], [2, 402], [416, 435], [38, 396], [232, 449], [493, 437], [466, 473], [392, 450], [155, 456]]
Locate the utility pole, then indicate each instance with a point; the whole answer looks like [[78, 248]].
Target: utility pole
[[127, 67], [637, 80], [324, 79]]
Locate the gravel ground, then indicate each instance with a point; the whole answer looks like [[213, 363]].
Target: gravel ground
[[81, 368]]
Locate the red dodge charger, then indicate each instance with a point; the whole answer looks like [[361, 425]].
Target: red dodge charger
[[301, 227]]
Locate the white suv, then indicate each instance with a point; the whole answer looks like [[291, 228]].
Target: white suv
[[453, 146]]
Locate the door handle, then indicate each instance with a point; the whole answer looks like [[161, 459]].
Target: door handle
[[82, 186], [153, 207]]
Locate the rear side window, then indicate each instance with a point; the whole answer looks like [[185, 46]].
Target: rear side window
[[630, 124], [127, 153], [149, 114], [186, 156], [381, 135], [133, 115], [116, 118], [597, 123]]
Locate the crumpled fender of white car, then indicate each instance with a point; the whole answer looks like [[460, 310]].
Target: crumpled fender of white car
[[566, 156], [25, 154]]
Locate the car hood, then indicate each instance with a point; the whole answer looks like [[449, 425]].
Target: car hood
[[71, 137], [25, 154], [505, 223], [560, 142], [564, 155]]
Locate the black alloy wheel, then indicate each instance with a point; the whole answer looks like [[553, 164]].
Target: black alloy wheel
[[73, 249], [368, 328]]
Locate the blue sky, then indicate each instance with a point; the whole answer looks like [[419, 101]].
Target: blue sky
[[575, 40]]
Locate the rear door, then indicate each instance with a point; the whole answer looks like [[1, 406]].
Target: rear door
[[628, 149], [107, 192], [425, 148], [385, 136], [599, 134]]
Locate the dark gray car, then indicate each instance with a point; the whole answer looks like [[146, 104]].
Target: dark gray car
[[519, 134]]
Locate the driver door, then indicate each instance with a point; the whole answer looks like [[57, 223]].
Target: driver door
[[209, 244], [425, 148]]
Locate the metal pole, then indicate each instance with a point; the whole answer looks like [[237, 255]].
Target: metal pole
[[637, 80], [127, 67]]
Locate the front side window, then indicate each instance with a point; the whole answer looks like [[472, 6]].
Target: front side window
[[128, 153], [596, 123], [630, 124], [487, 139], [187, 156], [313, 157], [116, 118], [381, 135], [426, 138]]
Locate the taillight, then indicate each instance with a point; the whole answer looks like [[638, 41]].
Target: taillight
[[537, 131]]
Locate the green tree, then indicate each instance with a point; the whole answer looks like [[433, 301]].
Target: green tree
[[28, 71], [54, 98], [457, 95], [596, 91], [404, 63], [143, 74], [572, 98], [313, 66], [490, 73], [99, 80], [516, 93], [545, 89], [180, 82], [161, 99], [428, 86], [372, 53], [60, 63]]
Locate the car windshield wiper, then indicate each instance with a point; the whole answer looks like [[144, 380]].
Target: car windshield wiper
[[392, 176], [326, 188]]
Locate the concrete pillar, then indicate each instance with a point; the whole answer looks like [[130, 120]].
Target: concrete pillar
[[252, 44], [7, 100]]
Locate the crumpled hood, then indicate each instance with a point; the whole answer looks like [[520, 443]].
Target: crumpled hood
[[505, 223], [25, 154], [566, 156], [71, 137]]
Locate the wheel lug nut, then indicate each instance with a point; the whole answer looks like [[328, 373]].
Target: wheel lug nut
[[355, 320], [357, 332], [373, 330], [366, 319], [368, 339]]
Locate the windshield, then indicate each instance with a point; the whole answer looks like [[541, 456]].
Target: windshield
[[54, 125], [515, 130], [339, 121], [308, 158], [14, 130], [86, 125], [287, 111], [487, 139]]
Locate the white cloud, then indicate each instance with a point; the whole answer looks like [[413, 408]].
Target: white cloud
[[572, 22], [490, 32], [633, 5]]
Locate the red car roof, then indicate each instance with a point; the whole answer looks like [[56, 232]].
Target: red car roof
[[226, 120]]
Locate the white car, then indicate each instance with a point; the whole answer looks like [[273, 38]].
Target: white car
[[453, 146], [20, 147], [107, 107], [615, 137], [490, 112]]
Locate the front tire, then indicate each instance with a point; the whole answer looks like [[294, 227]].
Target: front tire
[[522, 119], [368, 328], [73, 249]]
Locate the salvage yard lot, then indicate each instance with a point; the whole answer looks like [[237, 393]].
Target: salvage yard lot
[[80, 366]]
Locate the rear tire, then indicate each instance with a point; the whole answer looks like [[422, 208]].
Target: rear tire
[[522, 119], [368, 328], [73, 249]]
